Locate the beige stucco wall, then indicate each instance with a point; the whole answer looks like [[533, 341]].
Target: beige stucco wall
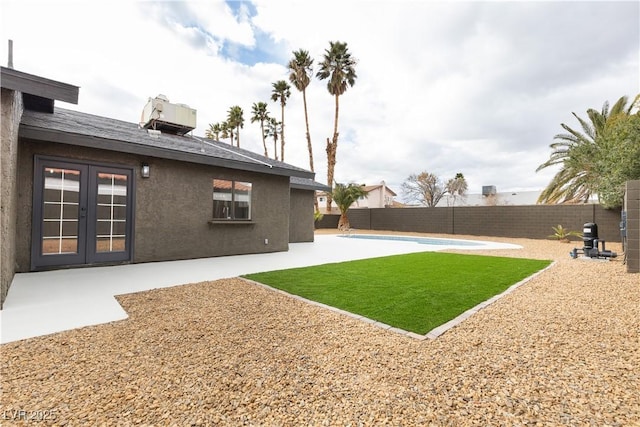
[[11, 112], [373, 200]]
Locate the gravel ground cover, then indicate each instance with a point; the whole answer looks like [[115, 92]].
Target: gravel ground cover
[[563, 349]]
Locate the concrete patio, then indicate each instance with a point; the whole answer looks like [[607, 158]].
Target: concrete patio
[[43, 303]]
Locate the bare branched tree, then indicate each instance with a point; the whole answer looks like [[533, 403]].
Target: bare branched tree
[[424, 188]]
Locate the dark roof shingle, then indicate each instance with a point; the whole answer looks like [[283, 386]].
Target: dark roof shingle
[[307, 184], [82, 129]]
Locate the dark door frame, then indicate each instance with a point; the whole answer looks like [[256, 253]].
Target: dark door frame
[[86, 254]]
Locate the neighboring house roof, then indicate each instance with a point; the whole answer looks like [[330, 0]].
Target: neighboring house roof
[[307, 184], [513, 198], [369, 188], [87, 130], [223, 184]]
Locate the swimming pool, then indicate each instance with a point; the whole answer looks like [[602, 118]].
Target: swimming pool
[[415, 239]]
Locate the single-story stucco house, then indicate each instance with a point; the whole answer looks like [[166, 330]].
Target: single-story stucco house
[[79, 189]]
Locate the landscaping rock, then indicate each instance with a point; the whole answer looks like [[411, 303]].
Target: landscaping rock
[[563, 349]]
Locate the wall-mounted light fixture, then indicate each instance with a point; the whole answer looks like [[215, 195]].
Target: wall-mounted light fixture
[[145, 170]]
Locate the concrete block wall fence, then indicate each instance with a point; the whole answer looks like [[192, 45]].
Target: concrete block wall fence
[[534, 222]]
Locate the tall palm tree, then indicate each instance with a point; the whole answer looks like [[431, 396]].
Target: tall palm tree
[[224, 131], [578, 152], [345, 196], [260, 114], [272, 130], [235, 118], [339, 67], [281, 92], [457, 187], [301, 67], [214, 131]]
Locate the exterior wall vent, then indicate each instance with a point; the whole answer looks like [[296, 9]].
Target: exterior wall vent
[[159, 114]]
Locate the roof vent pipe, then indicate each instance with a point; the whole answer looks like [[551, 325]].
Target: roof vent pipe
[[10, 60]]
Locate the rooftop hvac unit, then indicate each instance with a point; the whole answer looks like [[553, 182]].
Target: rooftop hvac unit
[[160, 114], [488, 190]]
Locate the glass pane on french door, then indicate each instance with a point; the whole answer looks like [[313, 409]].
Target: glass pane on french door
[[111, 212], [61, 211]]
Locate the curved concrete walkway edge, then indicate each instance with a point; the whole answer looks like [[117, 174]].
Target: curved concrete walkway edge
[[47, 302]]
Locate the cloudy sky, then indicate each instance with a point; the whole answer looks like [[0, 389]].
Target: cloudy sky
[[444, 87]]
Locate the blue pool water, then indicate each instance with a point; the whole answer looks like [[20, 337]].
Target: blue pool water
[[420, 240]]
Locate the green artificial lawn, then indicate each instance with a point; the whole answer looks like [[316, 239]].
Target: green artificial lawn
[[414, 292]]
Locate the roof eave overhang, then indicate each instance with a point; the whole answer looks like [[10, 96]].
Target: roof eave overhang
[[38, 86], [61, 137], [311, 187]]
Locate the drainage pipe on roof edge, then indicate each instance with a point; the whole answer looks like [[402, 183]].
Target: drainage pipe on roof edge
[[234, 152]]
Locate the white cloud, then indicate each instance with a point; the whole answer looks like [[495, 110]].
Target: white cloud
[[474, 87]]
